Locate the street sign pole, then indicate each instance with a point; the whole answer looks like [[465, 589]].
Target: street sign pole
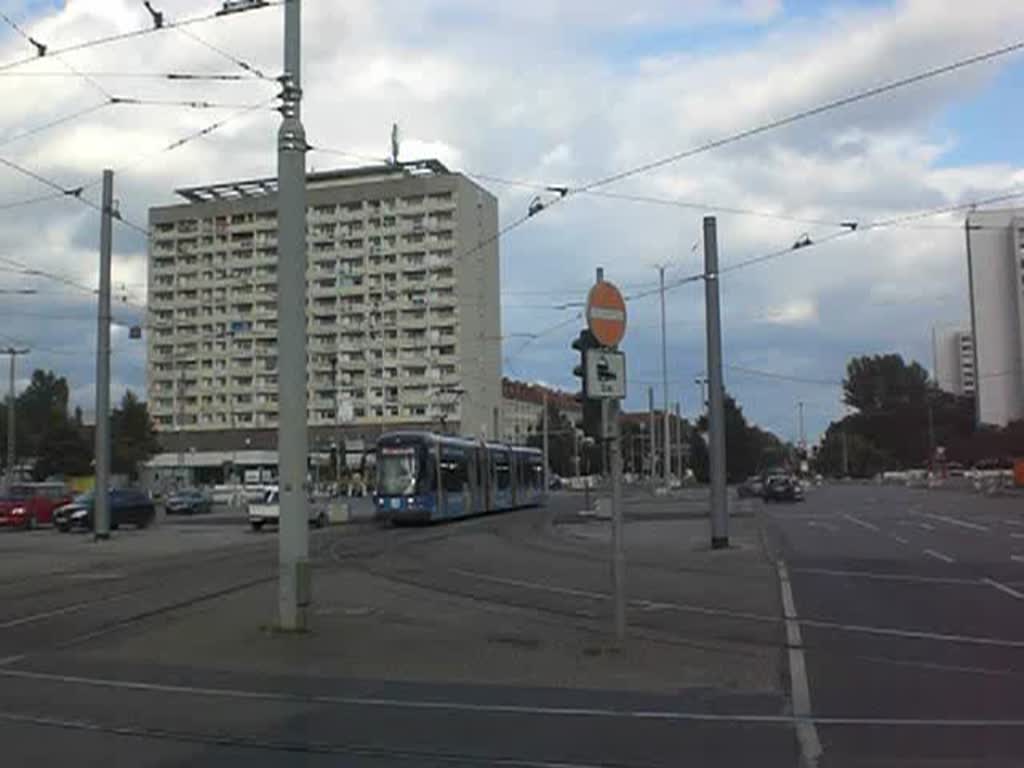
[[605, 378]]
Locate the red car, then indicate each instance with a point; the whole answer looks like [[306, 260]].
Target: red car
[[28, 505]]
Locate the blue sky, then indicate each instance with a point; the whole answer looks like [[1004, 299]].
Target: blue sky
[[566, 92]]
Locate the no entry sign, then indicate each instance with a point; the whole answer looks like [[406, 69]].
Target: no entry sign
[[606, 314]]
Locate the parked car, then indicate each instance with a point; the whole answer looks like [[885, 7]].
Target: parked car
[[190, 501], [268, 512], [28, 505], [783, 488], [752, 487], [127, 506]]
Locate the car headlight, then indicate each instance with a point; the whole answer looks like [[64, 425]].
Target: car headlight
[[78, 514], [18, 511]]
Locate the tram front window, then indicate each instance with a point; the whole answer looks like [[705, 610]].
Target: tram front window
[[398, 471]]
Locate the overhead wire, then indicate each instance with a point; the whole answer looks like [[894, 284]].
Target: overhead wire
[[130, 34], [253, 71]]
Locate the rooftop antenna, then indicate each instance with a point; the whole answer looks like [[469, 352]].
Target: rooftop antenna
[[395, 141]]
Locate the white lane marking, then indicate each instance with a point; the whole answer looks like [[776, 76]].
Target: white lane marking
[[1017, 558], [11, 659], [911, 634], [926, 526], [955, 521], [1016, 535], [1014, 522], [498, 708], [861, 523], [900, 539], [799, 687], [1005, 589], [827, 526], [885, 576], [646, 605], [22, 620], [939, 555]]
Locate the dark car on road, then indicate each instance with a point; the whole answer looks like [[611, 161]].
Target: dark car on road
[[191, 501], [127, 506], [783, 488]]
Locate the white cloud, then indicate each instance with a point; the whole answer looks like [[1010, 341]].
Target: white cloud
[[561, 92]]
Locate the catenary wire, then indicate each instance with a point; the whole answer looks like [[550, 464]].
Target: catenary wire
[[121, 36]]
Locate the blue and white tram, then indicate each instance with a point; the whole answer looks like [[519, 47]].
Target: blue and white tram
[[423, 476]]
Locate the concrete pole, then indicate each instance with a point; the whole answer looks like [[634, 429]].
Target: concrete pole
[[294, 581], [803, 434], [9, 480], [666, 464], [101, 505], [618, 555], [846, 455], [547, 457], [11, 450], [679, 441], [337, 423], [650, 411], [716, 389]]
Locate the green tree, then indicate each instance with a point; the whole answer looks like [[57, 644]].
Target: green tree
[[884, 383], [747, 448], [133, 439]]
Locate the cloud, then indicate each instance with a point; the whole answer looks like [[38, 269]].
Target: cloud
[[556, 92]]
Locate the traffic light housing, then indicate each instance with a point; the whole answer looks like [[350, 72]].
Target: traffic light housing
[[591, 408]]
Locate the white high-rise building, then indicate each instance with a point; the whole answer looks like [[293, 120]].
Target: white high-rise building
[[954, 361], [403, 308], [995, 259]]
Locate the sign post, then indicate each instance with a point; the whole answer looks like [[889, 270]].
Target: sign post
[[604, 379]]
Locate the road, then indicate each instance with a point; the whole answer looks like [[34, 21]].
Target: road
[[479, 643], [893, 640], [910, 607]]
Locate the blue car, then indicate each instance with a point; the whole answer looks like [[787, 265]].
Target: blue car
[[127, 506]]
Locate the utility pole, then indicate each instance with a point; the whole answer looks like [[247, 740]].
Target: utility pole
[[9, 479], [846, 454], [701, 382], [294, 579], [337, 422], [547, 457], [101, 504], [650, 410], [931, 433], [666, 462], [679, 442], [803, 434], [716, 394]]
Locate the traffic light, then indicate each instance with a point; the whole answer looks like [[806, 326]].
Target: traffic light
[[591, 408]]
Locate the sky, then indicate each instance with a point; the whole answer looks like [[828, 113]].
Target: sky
[[554, 92]]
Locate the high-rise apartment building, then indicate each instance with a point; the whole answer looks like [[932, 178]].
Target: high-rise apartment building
[[403, 308], [954, 361], [995, 259]]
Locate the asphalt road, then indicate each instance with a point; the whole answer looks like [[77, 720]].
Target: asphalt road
[[121, 653], [910, 607]]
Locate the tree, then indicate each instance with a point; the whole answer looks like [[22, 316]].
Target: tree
[[747, 448], [133, 439], [883, 383]]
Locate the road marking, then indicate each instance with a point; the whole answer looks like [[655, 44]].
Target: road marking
[[11, 659], [885, 576], [900, 539], [646, 605], [1013, 522], [939, 555], [909, 634], [861, 523], [480, 707], [1005, 589], [800, 691], [1016, 535], [1017, 558], [955, 521], [926, 526], [827, 526], [22, 620]]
